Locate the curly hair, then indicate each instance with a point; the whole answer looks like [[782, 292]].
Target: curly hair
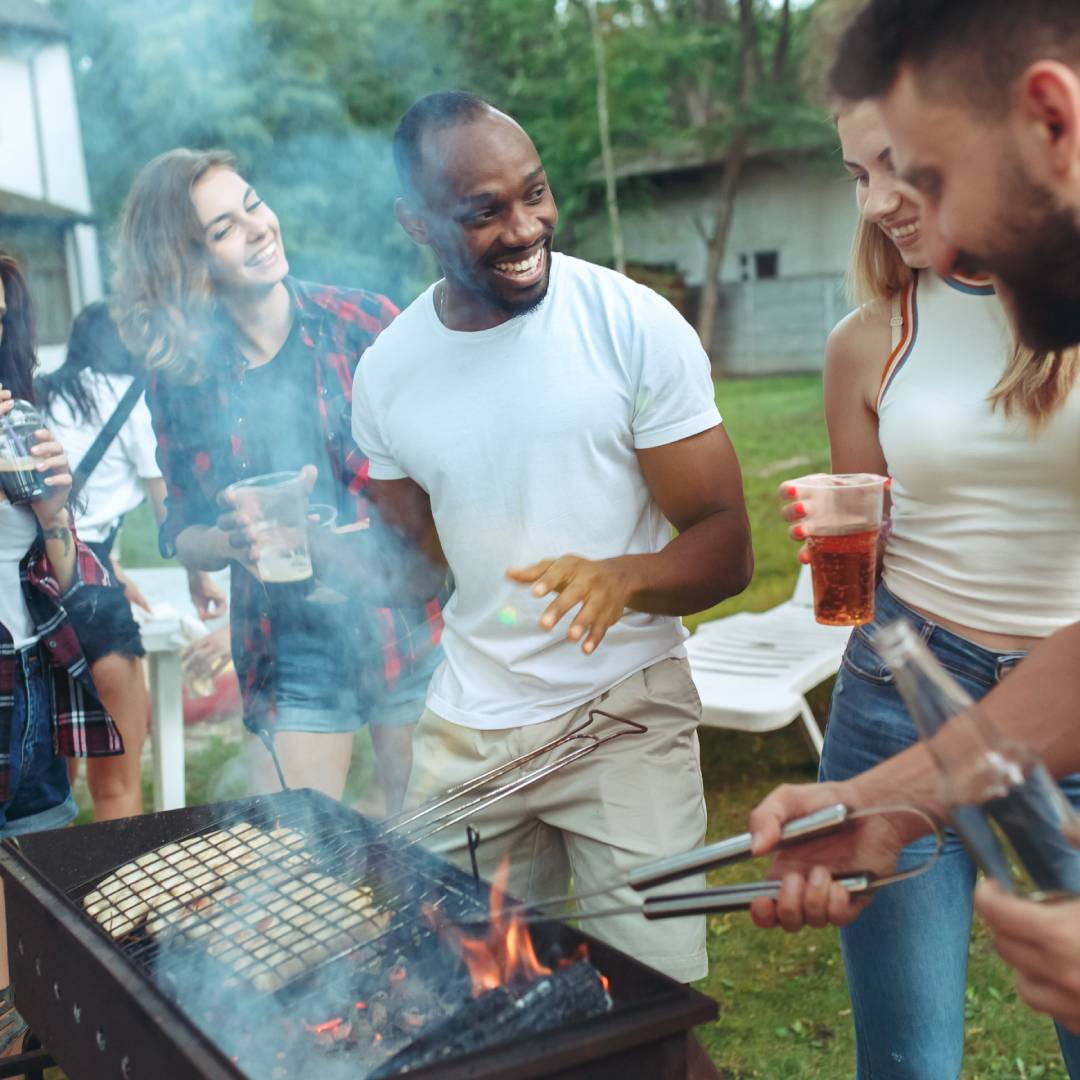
[[165, 303]]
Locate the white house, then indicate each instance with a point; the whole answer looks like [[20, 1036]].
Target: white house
[[787, 252], [45, 214]]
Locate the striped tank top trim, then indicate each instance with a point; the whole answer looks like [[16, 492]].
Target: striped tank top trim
[[971, 285], [909, 315]]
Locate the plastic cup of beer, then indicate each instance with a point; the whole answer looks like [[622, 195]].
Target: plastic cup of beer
[[275, 505], [20, 480], [843, 520]]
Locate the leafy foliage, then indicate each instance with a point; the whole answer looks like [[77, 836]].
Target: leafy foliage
[[307, 92]]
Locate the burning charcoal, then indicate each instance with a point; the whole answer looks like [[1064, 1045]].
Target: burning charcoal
[[396, 976], [569, 994]]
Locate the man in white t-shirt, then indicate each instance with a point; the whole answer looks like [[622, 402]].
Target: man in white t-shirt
[[526, 407]]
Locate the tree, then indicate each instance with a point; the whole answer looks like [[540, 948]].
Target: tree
[[603, 120], [734, 67]]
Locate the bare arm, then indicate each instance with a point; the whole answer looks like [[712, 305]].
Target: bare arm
[[51, 511], [1035, 705], [697, 484], [155, 492], [398, 559], [855, 356], [203, 547]]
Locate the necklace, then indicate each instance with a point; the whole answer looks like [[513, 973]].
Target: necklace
[[440, 303]]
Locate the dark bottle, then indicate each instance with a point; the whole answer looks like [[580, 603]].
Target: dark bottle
[[1002, 801]]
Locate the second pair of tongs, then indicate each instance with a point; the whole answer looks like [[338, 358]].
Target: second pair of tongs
[[735, 849]]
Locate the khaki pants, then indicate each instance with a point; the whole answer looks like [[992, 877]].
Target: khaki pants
[[635, 799]]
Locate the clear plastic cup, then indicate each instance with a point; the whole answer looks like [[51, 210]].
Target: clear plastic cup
[[20, 480], [275, 505], [842, 522]]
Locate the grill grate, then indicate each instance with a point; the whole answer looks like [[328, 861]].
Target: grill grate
[[268, 903], [108, 1007]]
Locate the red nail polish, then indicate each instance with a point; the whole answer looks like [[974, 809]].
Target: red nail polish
[[799, 532], [791, 492], [800, 508]]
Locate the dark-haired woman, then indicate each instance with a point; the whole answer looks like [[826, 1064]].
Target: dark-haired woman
[[52, 709], [78, 400]]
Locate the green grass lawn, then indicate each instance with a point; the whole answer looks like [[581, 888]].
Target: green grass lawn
[[783, 1006]]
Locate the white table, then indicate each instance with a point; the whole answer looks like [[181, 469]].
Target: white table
[[161, 638], [166, 588]]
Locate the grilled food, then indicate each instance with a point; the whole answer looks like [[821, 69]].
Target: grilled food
[[251, 898]]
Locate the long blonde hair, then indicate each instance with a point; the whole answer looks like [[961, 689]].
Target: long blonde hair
[[164, 302], [1033, 385], [1036, 384]]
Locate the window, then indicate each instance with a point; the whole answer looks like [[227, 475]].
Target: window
[[766, 264], [41, 252]]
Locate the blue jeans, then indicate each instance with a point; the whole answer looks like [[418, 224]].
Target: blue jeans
[[906, 955], [40, 791]]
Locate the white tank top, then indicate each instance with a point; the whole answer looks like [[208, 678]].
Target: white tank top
[[18, 528], [986, 518]]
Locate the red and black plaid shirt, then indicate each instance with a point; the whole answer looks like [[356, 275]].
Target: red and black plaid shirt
[[201, 450], [80, 725]]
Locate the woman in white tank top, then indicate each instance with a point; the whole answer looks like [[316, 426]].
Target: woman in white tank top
[[923, 383]]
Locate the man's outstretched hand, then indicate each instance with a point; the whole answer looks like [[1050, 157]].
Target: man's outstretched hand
[[600, 588]]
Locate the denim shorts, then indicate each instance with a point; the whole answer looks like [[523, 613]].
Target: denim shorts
[[40, 791], [317, 690]]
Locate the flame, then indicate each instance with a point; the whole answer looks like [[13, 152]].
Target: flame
[[329, 1025], [504, 956]]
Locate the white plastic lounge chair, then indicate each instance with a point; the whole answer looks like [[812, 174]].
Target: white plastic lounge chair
[[752, 670]]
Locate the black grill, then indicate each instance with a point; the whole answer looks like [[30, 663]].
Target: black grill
[[117, 1001]]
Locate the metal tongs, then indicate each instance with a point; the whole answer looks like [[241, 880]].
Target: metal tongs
[[732, 850], [419, 824]]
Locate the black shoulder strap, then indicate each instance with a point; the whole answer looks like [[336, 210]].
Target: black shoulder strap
[[106, 435]]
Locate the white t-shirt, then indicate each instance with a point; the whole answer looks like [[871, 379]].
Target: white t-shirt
[[524, 436], [18, 530], [115, 486]]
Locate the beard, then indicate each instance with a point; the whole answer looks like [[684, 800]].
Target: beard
[[1037, 262], [473, 277]]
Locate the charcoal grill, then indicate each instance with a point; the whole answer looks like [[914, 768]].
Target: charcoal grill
[[108, 1008]]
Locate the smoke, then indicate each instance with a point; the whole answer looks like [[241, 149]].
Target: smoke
[[304, 98]]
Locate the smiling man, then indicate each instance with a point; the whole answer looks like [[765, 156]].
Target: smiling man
[[544, 423]]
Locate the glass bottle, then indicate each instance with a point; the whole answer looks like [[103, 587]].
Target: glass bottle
[[1002, 801]]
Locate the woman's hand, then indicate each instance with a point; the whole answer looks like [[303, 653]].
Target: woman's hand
[[209, 600], [794, 511], [798, 511], [53, 463], [132, 593], [203, 660]]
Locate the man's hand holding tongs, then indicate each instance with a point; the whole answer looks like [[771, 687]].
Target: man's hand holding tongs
[[809, 895]]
